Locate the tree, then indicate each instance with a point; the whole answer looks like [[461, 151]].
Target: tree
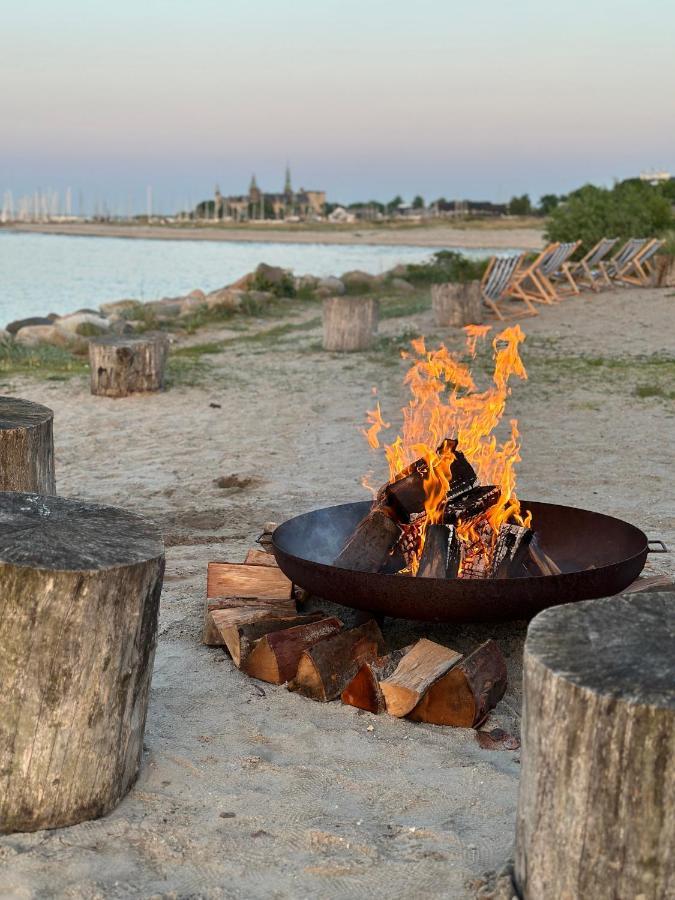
[[548, 203], [520, 206], [394, 204], [418, 202]]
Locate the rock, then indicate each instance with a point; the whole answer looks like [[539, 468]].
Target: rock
[[242, 283], [166, 308], [401, 286], [4, 336], [259, 296], [121, 326], [272, 275], [399, 271], [75, 321], [197, 294], [358, 281], [306, 282], [191, 304], [54, 335], [225, 298], [330, 287], [115, 307], [14, 327]]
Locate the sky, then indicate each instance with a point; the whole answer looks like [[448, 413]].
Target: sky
[[482, 100]]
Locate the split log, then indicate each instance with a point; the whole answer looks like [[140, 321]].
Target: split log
[[511, 551], [79, 597], [26, 447], [372, 544], [457, 304], [240, 611], [240, 637], [349, 323], [441, 554], [120, 366], [276, 655], [326, 669], [472, 504], [540, 563], [260, 558], [228, 581], [466, 694], [408, 493], [364, 690], [595, 816], [414, 675]]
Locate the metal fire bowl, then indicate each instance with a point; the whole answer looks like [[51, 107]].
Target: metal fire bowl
[[599, 556]]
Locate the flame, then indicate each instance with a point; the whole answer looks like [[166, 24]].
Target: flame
[[446, 402]]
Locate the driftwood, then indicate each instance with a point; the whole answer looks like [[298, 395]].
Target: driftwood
[[414, 675], [325, 669], [26, 447], [364, 690], [276, 655], [120, 366], [349, 323], [466, 694], [595, 817], [79, 597], [457, 304]]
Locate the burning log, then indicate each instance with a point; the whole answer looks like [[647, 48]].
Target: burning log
[[371, 545], [465, 695], [414, 675], [473, 504], [407, 494], [240, 638], [364, 691], [540, 563], [440, 556], [511, 551], [276, 654], [325, 669]]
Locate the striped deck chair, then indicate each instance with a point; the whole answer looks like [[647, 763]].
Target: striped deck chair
[[553, 267], [640, 269], [527, 284], [622, 260], [497, 283], [587, 271]]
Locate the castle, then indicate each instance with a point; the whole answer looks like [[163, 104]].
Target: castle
[[258, 204]]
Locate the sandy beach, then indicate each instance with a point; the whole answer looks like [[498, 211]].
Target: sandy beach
[[496, 235], [247, 791]]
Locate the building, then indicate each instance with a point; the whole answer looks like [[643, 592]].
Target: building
[[655, 177], [257, 204]]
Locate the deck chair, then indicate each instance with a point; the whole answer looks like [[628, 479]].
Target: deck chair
[[622, 260], [553, 268], [640, 268], [497, 283], [528, 285], [586, 271]]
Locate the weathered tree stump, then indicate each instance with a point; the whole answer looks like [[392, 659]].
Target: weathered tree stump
[[457, 304], [126, 365], [595, 813], [349, 323], [79, 596], [26, 446]]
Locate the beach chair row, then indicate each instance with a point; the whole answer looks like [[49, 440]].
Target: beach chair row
[[553, 275]]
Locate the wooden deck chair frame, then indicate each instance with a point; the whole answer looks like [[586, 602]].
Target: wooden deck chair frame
[[505, 289], [563, 252], [587, 271], [622, 259], [640, 268], [529, 273]]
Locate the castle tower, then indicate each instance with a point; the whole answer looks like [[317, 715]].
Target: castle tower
[[288, 189], [253, 191]]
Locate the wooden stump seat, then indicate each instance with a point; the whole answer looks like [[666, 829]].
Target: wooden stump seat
[[124, 365], [349, 323], [457, 304], [79, 597], [26, 446]]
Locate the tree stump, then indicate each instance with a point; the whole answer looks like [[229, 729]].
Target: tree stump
[[79, 596], [126, 365], [595, 813], [349, 323], [26, 447], [457, 304]]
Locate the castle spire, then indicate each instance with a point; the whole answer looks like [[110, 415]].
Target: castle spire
[[287, 185], [254, 185]]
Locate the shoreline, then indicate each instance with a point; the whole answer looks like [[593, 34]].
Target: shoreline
[[512, 238]]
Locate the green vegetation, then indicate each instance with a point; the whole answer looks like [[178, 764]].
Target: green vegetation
[[446, 265], [520, 206], [281, 285], [629, 209], [53, 363]]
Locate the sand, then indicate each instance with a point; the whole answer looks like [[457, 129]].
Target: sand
[[247, 791], [495, 235]]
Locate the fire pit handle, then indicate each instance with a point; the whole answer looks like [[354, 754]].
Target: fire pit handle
[[660, 549]]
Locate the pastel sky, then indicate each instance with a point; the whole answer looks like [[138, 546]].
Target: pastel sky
[[481, 99]]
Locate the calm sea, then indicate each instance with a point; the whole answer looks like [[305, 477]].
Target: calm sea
[[40, 273]]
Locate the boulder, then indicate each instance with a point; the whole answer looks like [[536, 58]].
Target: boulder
[[401, 286], [116, 307], [225, 298], [330, 287], [75, 321], [197, 294], [242, 283], [191, 304], [14, 327], [306, 282], [4, 336], [259, 296], [166, 308], [121, 326], [358, 281], [272, 275], [54, 335], [399, 271]]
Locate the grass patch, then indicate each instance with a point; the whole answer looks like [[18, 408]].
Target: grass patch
[[645, 391], [50, 363]]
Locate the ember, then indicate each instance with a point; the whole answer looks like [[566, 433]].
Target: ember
[[450, 507]]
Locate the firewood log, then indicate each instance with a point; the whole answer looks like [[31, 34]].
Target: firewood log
[[440, 556], [472, 504], [511, 551], [372, 544], [407, 494], [240, 638], [325, 669], [260, 558], [414, 675], [276, 655], [465, 695], [364, 691], [540, 563]]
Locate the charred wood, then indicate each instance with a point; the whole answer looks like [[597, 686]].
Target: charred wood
[[370, 547], [440, 556], [473, 504]]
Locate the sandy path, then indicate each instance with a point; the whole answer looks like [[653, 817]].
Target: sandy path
[[250, 793], [434, 236]]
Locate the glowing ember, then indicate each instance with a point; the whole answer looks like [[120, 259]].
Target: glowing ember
[[446, 402]]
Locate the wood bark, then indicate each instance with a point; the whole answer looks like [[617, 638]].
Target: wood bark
[[241, 638], [457, 304], [79, 597], [364, 691], [349, 323], [595, 813], [120, 366], [275, 656], [326, 669], [414, 675], [26, 447], [371, 545], [228, 612], [466, 694]]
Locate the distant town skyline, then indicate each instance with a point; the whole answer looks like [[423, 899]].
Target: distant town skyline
[[365, 101]]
